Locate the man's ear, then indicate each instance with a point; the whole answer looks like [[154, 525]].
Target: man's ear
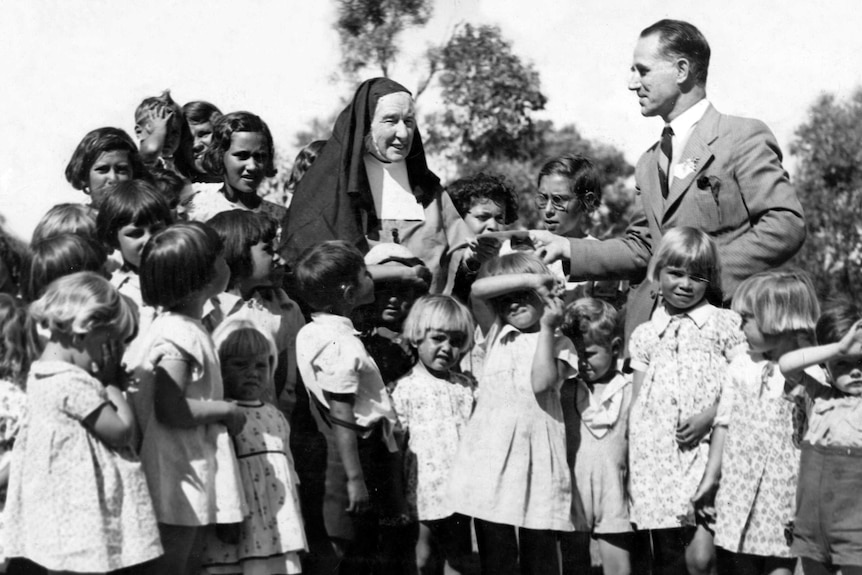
[[683, 70]]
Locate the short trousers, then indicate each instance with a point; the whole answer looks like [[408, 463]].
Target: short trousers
[[828, 526]]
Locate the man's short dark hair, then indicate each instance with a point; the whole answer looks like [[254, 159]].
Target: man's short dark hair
[[683, 40]]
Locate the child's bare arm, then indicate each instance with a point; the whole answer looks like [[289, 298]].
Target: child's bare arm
[[794, 362], [712, 474], [341, 408], [494, 286], [545, 374], [415, 274], [174, 409], [692, 430], [114, 422], [637, 381]]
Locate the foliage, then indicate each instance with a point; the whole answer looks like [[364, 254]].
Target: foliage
[[829, 183], [368, 30], [488, 95]]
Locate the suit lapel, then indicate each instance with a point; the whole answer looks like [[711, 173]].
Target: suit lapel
[[696, 156]]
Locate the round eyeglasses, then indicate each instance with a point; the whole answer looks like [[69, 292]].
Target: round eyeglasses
[[559, 203]]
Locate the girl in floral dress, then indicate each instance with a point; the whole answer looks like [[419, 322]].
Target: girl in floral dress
[[753, 460], [510, 473], [78, 498], [680, 359], [271, 535], [433, 404]]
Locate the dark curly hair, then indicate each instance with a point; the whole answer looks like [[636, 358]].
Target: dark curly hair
[[224, 128], [466, 191]]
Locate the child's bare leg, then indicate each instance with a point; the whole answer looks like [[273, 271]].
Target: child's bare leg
[[700, 553], [779, 566], [424, 548], [615, 551], [814, 567]]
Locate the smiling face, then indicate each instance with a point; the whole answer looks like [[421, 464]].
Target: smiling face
[[246, 377], [680, 289], [846, 373], [485, 215], [572, 221], [109, 169], [202, 135], [132, 238], [440, 350], [654, 78], [245, 162], [392, 127]]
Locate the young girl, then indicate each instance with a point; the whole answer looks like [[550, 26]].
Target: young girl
[[188, 459], [241, 154], [66, 219], [596, 409], [255, 277], [510, 471], [272, 534], [433, 404], [14, 365], [752, 449], [680, 360], [77, 500], [200, 117], [826, 533], [159, 126], [104, 158]]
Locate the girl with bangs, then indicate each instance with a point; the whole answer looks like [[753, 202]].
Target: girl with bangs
[[680, 360]]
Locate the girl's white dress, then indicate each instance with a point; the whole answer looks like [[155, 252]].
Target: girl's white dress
[[74, 504], [192, 473], [433, 412], [13, 407], [272, 533], [511, 466], [685, 358]]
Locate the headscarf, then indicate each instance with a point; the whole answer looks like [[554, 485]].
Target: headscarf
[[330, 199]]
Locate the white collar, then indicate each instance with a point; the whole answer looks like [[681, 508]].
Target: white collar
[[683, 123], [338, 322], [698, 315], [613, 387]]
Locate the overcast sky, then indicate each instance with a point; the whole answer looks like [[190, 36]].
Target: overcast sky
[[73, 65]]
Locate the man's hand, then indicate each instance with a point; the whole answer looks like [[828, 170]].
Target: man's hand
[[550, 247]]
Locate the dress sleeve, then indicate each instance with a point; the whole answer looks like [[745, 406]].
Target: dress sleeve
[[180, 344], [401, 402], [639, 349], [80, 395]]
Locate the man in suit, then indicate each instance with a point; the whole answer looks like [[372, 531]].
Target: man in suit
[[718, 173]]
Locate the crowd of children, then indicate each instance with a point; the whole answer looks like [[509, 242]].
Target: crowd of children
[[172, 402]]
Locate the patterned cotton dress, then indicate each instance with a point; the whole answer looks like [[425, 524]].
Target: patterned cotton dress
[[13, 407], [756, 498], [272, 533], [511, 465], [433, 412], [685, 358], [74, 504]]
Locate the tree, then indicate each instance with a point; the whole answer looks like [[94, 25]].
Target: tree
[[829, 184], [368, 31], [488, 95]]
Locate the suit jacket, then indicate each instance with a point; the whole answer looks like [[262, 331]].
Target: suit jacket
[[729, 182]]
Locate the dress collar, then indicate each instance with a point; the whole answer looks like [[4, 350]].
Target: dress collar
[[337, 322], [661, 318]]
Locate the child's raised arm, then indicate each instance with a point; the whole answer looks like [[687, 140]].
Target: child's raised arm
[[545, 372], [494, 286], [174, 409], [154, 133], [794, 362]]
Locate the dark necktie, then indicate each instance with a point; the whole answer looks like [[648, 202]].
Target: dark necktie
[[666, 148]]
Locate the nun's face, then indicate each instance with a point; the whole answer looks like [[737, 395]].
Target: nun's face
[[392, 127]]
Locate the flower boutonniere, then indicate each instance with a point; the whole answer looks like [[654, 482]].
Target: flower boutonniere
[[685, 168], [711, 182]]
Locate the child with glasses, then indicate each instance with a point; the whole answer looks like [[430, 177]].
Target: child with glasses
[[680, 360]]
